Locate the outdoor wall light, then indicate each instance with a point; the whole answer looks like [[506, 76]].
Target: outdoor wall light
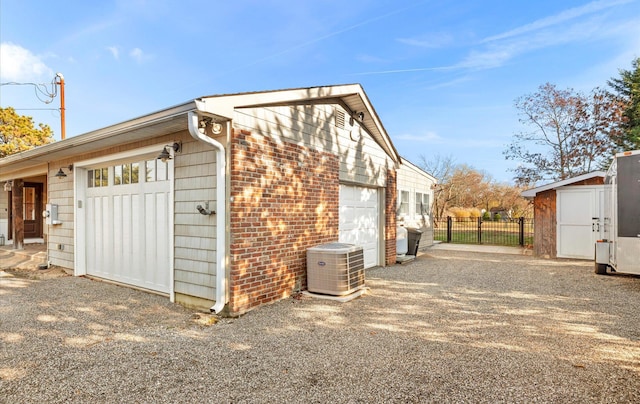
[[165, 155], [358, 115], [61, 174], [216, 128]]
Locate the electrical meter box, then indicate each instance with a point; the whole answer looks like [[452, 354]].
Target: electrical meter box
[[51, 214]]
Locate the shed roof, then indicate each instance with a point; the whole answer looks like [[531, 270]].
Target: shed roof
[[351, 97], [531, 193]]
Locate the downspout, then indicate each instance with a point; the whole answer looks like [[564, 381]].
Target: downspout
[[221, 276]]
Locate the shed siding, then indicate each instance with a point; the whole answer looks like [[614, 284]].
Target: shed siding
[[195, 234], [544, 217]]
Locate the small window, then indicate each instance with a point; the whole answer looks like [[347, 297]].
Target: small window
[[126, 173], [135, 168], [90, 182], [151, 171], [162, 173], [98, 177], [422, 203], [105, 177], [117, 175], [156, 170], [404, 203]]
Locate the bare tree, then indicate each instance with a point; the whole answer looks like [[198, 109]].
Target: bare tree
[[569, 133]]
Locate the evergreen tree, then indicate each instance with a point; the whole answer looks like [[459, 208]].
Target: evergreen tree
[[626, 89]]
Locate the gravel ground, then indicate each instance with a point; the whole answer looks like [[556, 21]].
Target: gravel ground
[[449, 327]]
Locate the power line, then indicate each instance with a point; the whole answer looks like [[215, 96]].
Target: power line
[[40, 89]]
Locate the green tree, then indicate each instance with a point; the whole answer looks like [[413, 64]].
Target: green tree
[[626, 89], [19, 133]]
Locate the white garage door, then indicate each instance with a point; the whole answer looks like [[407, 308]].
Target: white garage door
[[127, 224], [359, 215], [579, 221]]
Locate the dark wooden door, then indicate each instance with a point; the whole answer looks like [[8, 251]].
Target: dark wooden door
[[32, 208]]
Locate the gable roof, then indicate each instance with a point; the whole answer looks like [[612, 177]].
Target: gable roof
[[414, 167], [173, 119], [531, 193]]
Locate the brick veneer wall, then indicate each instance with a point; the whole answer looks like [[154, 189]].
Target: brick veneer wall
[[284, 199], [391, 193]]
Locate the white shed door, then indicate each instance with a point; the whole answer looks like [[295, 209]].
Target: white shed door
[[579, 221], [127, 233], [359, 216]]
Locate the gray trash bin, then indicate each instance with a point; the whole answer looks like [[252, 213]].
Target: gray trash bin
[[413, 239]]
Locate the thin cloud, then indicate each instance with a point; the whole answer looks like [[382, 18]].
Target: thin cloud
[[90, 30], [139, 55], [369, 59], [115, 52], [500, 52], [20, 65], [561, 17], [329, 35], [417, 69], [428, 41]]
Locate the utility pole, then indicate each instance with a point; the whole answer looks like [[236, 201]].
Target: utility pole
[[60, 82]]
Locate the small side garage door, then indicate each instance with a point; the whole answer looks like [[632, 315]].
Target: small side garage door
[[359, 213], [579, 221], [127, 224]]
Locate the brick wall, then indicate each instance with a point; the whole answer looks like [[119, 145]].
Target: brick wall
[[390, 217], [284, 199]]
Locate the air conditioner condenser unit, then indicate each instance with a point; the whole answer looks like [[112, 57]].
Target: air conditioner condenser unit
[[335, 269]]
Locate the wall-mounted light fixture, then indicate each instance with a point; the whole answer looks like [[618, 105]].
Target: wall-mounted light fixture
[[61, 174], [356, 115], [166, 155], [8, 185], [216, 127]]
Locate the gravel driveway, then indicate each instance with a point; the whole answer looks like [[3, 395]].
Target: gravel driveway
[[449, 327]]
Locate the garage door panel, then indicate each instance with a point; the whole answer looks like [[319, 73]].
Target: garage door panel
[[358, 222], [127, 234]]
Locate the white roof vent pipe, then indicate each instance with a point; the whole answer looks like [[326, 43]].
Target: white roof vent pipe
[[220, 211]]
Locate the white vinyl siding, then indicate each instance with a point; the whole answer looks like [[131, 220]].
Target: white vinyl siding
[[362, 160], [419, 185]]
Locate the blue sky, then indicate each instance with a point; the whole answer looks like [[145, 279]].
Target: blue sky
[[442, 75]]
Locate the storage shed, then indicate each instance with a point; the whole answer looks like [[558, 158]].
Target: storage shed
[[212, 202], [568, 216]]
